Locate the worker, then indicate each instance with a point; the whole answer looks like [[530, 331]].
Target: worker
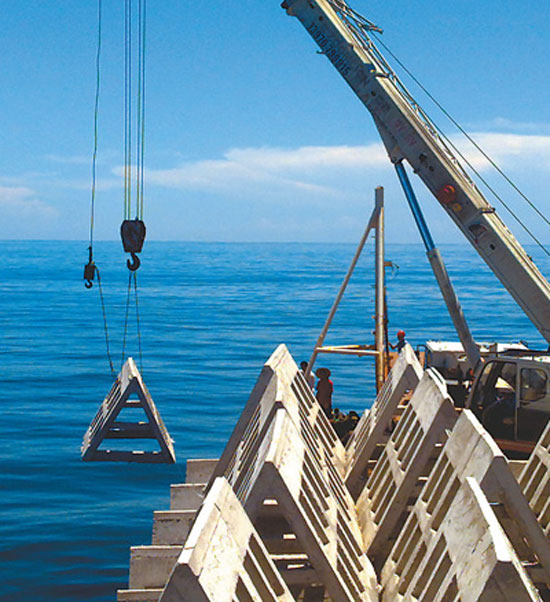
[[325, 389], [310, 378], [401, 341]]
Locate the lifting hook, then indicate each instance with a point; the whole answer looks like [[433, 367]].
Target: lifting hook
[[89, 270], [134, 264], [132, 232]]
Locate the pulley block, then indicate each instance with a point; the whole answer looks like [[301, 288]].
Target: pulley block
[[132, 232]]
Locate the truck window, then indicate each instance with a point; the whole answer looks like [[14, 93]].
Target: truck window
[[497, 379], [533, 384], [508, 375]]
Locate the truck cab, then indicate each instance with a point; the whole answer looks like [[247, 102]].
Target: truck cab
[[511, 397], [510, 392]]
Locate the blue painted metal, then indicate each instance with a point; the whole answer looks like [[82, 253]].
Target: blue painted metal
[[415, 207]]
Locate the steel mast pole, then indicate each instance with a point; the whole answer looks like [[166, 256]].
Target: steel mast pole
[[372, 223], [380, 285]]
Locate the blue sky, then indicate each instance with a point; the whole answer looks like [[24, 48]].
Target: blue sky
[[251, 135]]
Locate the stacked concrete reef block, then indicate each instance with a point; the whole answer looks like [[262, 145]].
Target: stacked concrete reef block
[[280, 385], [171, 527], [150, 566], [470, 452], [306, 412], [223, 558], [375, 426], [319, 542], [441, 515], [534, 480], [406, 459], [464, 555]]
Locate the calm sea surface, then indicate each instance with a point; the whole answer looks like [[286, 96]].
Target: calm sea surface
[[210, 314]]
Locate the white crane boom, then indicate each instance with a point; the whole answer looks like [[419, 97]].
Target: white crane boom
[[407, 133]]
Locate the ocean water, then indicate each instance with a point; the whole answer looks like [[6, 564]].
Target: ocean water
[[210, 315]]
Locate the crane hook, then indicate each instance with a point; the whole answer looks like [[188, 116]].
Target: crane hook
[[89, 270], [132, 232], [134, 264]]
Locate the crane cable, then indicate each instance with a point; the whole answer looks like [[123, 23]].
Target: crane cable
[[91, 269], [480, 149], [135, 226], [133, 230], [141, 107]]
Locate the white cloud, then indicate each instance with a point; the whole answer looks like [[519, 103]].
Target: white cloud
[[310, 157], [22, 202], [304, 169], [331, 170], [509, 151]]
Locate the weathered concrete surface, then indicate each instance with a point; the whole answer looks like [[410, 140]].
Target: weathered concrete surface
[[375, 423], [186, 496], [223, 558], [463, 555], [171, 527], [395, 481]]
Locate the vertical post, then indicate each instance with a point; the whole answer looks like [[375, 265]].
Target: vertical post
[[372, 224], [379, 301]]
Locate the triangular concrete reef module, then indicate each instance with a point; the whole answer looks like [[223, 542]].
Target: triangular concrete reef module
[[128, 392]]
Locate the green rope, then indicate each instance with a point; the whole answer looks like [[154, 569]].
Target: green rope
[[128, 110], [139, 142], [140, 135], [94, 179], [96, 120]]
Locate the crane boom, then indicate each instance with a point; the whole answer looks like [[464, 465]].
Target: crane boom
[[408, 134]]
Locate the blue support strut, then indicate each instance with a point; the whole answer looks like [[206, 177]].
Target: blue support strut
[[415, 207]]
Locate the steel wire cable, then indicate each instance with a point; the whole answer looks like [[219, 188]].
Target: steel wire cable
[[480, 149], [139, 142], [126, 316], [128, 109], [138, 323], [465, 133], [105, 327], [360, 28]]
